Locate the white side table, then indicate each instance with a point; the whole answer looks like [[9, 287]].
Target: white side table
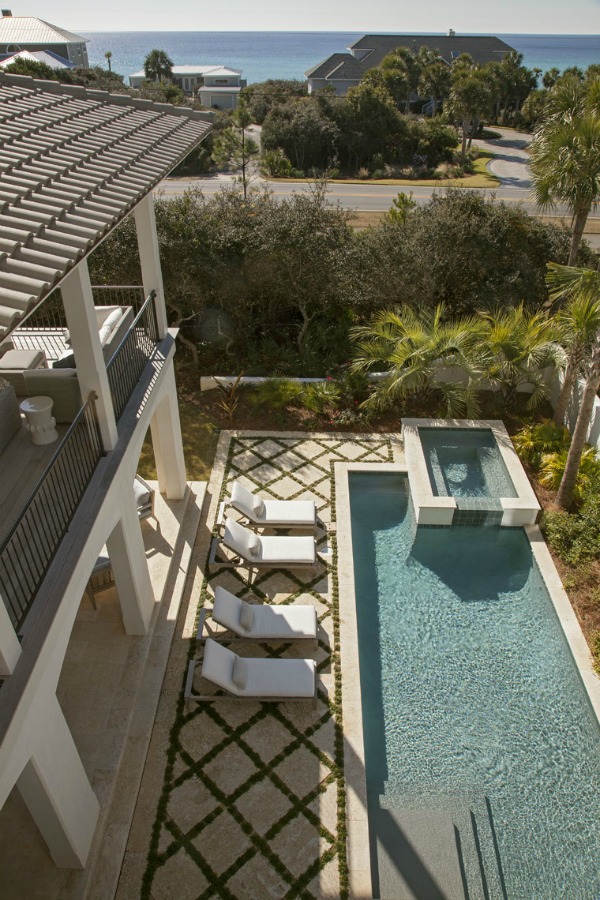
[[40, 421]]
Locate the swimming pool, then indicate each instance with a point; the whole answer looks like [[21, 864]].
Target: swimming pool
[[482, 749], [465, 462]]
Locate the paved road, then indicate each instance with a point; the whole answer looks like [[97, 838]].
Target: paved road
[[510, 164]]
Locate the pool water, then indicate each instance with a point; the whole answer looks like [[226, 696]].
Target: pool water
[[465, 462], [480, 741]]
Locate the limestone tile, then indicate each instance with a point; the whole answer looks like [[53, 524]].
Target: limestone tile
[[222, 843], [263, 805], [189, 803], [130, 879], [234, 712], [324, 738], [268, 738], [257, 880], [287, 488], [324, 805], [200, 735], [326, 884], [231, 768], [302, 771], [268, 448], [298, 845], [265, 473], [179, 877]]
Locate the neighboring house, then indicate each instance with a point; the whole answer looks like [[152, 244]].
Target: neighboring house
[[344, 70], [215, 86], [29, 33], [43, 56], [73, 165]]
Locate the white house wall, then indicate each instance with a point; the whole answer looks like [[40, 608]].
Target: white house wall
[[31, 689]]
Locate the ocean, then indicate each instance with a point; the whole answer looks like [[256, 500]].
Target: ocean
[[288, 54]]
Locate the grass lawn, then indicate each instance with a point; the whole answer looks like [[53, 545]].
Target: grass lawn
[[200, 436]]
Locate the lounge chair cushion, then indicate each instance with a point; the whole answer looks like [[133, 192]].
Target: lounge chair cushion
[[254, 544], [240, 672], [278, 623], [269, 549], [141, 493], [272, 512], [246, 617], [273, 678]]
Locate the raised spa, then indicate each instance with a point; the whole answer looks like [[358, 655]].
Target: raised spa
[[466, 472]]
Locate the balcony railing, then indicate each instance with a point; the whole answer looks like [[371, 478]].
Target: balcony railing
[[51, 313], [31, 545], [131, 356]]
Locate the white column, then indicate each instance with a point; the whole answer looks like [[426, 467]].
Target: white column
[[57, 792], [167, 444], [10, 648], [78, 301], [130, 568], [147, 238]]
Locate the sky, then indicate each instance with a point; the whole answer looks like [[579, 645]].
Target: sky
[[395, 16]]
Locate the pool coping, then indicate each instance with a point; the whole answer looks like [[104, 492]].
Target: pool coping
[[357, 818], [431, 509]]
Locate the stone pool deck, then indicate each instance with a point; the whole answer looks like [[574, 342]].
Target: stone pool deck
[[244, 799]]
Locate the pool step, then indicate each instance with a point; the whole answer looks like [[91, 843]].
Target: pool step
[[442, 848]]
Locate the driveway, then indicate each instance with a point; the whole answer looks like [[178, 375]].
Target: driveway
[[511, 160]]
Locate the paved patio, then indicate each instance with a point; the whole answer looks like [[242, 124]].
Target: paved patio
[[245, 799]]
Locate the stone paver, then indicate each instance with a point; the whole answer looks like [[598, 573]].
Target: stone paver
[[248, 801]]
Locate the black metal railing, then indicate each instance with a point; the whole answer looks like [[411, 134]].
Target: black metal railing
[[125, 367], [31, 545], [46, 328]]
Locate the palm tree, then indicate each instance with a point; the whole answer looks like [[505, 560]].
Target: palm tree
[[435, 82], [414, 348], [470, 100], [583, 284], [108, 57], [565, 153], [579, 322], [158, 66], [519, 346]]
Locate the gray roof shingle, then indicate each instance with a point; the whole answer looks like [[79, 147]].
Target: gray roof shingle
[[73, 163], [483, 49]]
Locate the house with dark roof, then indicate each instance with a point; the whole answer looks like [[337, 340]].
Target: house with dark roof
[[344, 70], [30, 33]]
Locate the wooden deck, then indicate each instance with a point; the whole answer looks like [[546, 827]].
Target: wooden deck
[[22, 463]]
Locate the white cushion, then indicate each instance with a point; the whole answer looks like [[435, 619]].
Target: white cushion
[[259, 507], [141, 493], [246, 616], [240, 672], [109, 325], [254, 544]]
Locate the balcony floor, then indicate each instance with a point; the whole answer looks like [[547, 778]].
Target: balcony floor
[[108, 690], [21, 465]]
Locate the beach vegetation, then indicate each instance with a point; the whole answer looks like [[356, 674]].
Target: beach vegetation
[[158, 66], [565, 152]]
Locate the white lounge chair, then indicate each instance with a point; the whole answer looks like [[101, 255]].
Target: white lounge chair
[[260, 679], [269, 550], [282, 513], [259, 621]]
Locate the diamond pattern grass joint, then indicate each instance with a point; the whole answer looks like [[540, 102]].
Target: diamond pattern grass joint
[[253, 801]]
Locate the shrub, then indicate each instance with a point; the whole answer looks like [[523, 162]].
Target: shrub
[[536, 439], [318, 396], [552, 467], [276, 393], [276, 163], [575, 537]]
